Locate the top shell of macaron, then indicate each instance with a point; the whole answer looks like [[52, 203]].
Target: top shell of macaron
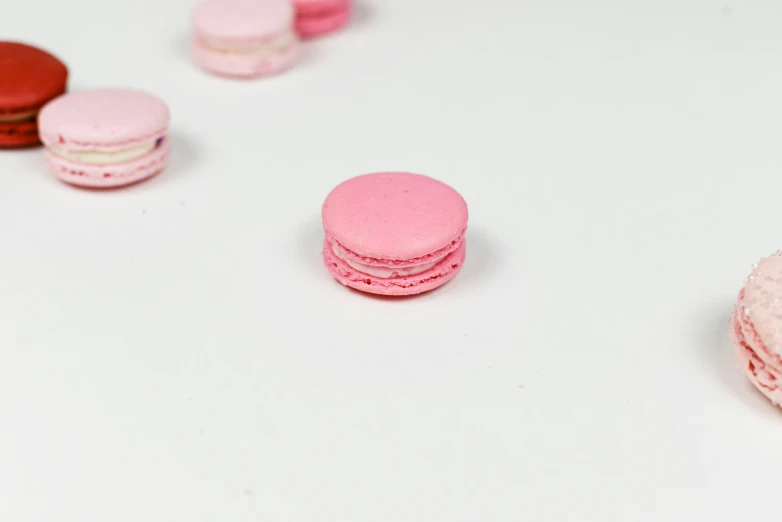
[[241, 23], [103, 119], [29, 77], [762, 301], [394, 215]]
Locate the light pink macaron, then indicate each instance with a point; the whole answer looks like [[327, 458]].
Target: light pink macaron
[[394, 233], [320, 17], [245, 38], [756, 327], [105, 137]]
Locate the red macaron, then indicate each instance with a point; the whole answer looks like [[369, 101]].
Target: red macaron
[[320, 17], [29, 78]]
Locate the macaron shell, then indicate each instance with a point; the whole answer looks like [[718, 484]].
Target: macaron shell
[[103, 119], [437, 276], [313, 26], [756, 327], [29, 77], [245, 65], [239, 23], [307, 7], [394, 216], [761, 302], [749, 335], [20, 134], [107, 176], [766, 378]]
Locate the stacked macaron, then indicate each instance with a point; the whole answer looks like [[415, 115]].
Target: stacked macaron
[[244, 38], [29, 78], [320, 17], [105, 137], [394, 233], [756, 327]]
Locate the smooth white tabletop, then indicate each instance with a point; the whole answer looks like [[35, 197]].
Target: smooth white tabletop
[[176, 352]]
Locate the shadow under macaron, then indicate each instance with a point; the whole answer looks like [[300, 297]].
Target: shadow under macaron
[[363, 14], [484, 258], [185, 154]]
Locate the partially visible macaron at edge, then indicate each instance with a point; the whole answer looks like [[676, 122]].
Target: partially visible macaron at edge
[[105, 137], [29, 78], [245, 38], [756, 327], [320, 17], [394, 233]]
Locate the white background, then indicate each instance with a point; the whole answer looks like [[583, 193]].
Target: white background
[[176, 352]]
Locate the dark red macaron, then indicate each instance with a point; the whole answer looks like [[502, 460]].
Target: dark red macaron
[[29, 78]]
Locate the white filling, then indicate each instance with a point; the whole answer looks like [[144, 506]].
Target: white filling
[[274, 46], [96, 157], [22, 116], [379, 271]]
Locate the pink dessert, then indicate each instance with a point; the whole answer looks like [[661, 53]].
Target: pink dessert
[[394, 233], [245, 38], [319, 17], [756, 327], [105, 137]]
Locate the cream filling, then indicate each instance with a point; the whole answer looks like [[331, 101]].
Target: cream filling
[[379, 271], [97, 157], [279, 44], [22, 116]]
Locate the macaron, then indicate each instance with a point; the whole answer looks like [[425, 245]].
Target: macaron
[[244, 38], [394, 233], [105, 137], [29, 78], [756, 327], [319, 17]]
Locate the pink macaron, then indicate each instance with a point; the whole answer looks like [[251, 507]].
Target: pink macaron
[[756, 327], [394, 233], [105, 137], [245, 38], [319, 17]]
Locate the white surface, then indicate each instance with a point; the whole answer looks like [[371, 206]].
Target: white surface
[[176, 352]]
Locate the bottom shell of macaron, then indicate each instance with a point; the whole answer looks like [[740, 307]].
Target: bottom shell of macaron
[[762, 374], [445, 270], [248, 63], [110, 175], [19, 134]]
